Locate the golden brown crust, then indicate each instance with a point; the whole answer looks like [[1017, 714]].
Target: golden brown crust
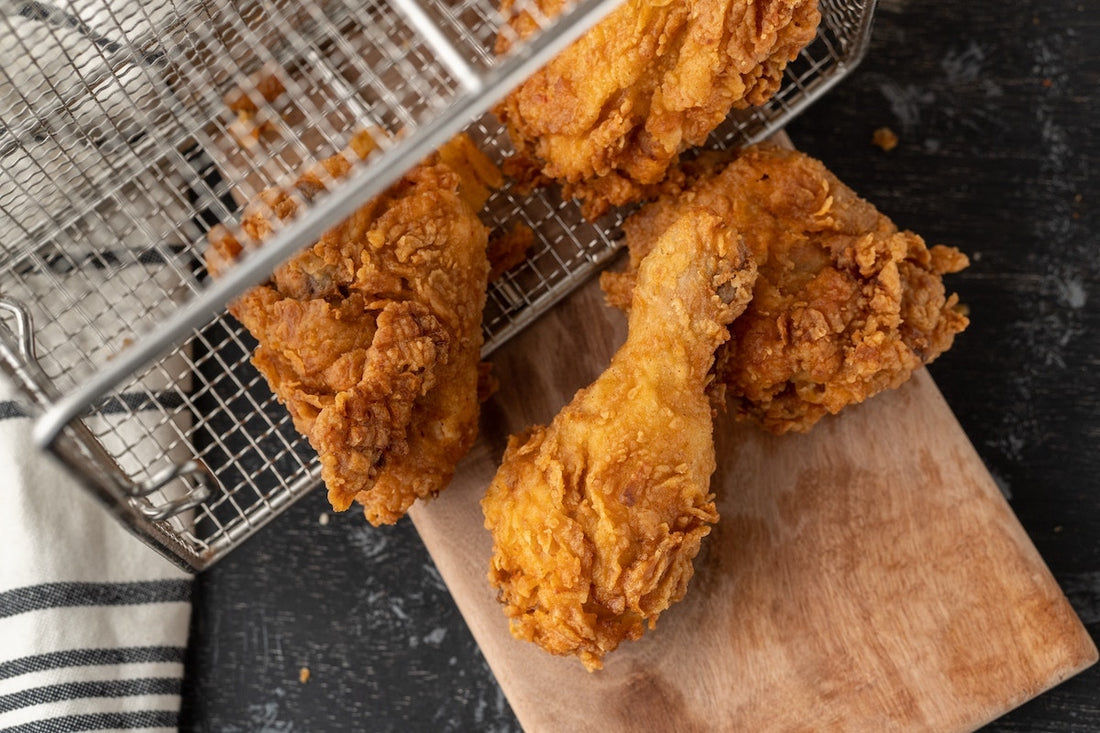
[[845, 305], [596, 518], [669, 73], [509, 248], [371, 336]]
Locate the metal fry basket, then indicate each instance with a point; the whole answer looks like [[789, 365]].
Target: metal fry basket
[[121, 144]]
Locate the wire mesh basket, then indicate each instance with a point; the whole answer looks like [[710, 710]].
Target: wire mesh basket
[[121, 145]]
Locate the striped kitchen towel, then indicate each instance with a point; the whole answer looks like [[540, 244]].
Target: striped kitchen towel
[[93, 624]]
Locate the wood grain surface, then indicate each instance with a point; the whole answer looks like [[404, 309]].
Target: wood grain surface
[[867, 575]]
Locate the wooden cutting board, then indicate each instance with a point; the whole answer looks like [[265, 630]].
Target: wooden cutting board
[[866, 576]]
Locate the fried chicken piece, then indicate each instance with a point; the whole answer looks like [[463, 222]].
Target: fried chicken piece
[[597, 518], [845, 305], [371, 337], [668, 74]]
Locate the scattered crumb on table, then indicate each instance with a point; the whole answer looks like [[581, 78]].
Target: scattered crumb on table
[[885, 138]]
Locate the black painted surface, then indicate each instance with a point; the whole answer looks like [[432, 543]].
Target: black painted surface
[[995, 106]]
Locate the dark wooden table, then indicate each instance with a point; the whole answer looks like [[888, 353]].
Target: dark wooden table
[[994, 105]]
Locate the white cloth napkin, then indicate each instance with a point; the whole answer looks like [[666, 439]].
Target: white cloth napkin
[[93, 624]]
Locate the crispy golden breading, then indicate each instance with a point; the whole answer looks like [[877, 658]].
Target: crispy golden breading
[[371, 336], [596, 519], [610, 115], [845, 305], [509, 248]]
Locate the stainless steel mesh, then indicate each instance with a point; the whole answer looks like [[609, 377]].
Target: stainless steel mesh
[[120, 147]]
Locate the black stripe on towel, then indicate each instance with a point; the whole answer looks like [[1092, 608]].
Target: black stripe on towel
[[125, 403], [91, 658], [55, 16], [63, 262], [58, 595], [94, 688], [137, 401], [102, 721]]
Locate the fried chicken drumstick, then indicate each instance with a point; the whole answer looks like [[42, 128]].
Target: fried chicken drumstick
[[845, 305], [610, 115], [371, 337], [596, 519]]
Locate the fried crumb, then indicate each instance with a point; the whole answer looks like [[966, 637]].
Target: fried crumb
[[266, 84], [126, 343], [508, 249], [323, 519], [885, 138], [253, 102], [487, 383], [303, 675]]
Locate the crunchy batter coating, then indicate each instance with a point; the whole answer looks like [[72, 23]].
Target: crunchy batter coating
[[609, 116], [845, 305], [371, 337], [596, 519]]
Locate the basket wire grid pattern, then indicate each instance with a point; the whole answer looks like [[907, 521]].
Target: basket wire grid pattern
[[118, 151]]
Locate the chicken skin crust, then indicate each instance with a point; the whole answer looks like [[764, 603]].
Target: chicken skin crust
[[608, 116], [371, 337], [596, 519], [845, 305]]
